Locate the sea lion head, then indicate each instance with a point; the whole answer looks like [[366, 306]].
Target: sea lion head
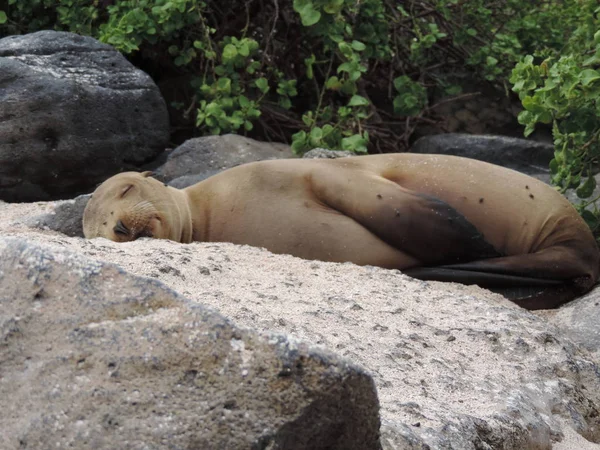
[[131, 205]]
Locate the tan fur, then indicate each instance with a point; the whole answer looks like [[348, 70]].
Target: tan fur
[[385, 210]]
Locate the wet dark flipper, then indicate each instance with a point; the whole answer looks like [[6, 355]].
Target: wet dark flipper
[[483, 279], [542, 280]]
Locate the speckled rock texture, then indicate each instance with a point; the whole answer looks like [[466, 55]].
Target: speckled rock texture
[[66, 217], [524, 155], [93, 357], [199, 158], [327, 154], [456, 367], [74, 112], [580, 320]]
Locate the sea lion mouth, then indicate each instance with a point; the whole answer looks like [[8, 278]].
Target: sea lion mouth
[[144, 233], [121, 229]]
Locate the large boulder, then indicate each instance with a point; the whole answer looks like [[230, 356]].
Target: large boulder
[[93, 357], [74, 112], [524, 155], [456, 367], [200, 158]]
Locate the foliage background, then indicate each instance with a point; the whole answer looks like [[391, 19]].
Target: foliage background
[[361, 75]]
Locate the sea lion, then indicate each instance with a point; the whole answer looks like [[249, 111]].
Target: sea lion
[[434, 217]]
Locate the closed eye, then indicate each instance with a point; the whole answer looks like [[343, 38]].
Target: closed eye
[[126, 190]]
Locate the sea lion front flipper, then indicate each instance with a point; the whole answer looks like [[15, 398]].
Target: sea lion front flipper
[[422, 226]]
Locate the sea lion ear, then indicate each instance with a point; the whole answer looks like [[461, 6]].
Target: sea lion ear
[[146, 174]]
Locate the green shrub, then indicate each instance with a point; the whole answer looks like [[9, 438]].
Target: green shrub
[[564, 90], [356, 75]]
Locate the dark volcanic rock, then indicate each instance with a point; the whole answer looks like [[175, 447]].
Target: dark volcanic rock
[[519, 154], [74, 112], [66, 218], [200, 158], [94, 357]]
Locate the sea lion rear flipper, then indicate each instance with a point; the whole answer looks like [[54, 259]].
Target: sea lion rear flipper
[[541, 280], [484, 279]]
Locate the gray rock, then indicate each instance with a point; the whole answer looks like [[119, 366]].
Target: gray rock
[[189, 180], [326, 153], [519, 154], [455, 366], [66, 218], [74, 112], [580, 320], [204, 156], [93, 357]]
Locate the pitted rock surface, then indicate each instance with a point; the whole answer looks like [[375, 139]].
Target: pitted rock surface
[[93, 357], [523, 155], [456, 367], [199, 158], [74, 112]]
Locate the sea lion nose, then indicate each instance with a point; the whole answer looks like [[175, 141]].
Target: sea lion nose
[[120, 228]]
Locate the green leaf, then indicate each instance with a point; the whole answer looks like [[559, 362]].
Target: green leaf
[[345, 67], [333, 83], [357, 100], [285, 102], [229, 52], [358, 46], [333, 6], [401, 82], [244, 49], [262, 84], [299, 141], [3, 17], [244, 102], [327, 130], [588, 76], [307, 119], [355, 143], [252, 67], [308, 15], [532, 104], [346, 49], [316, 134], [491, 61], [594, 59], [308, 62], [224, 85], [587, 188]]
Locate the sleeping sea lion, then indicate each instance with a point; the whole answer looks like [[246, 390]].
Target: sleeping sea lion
[[434, 217]]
